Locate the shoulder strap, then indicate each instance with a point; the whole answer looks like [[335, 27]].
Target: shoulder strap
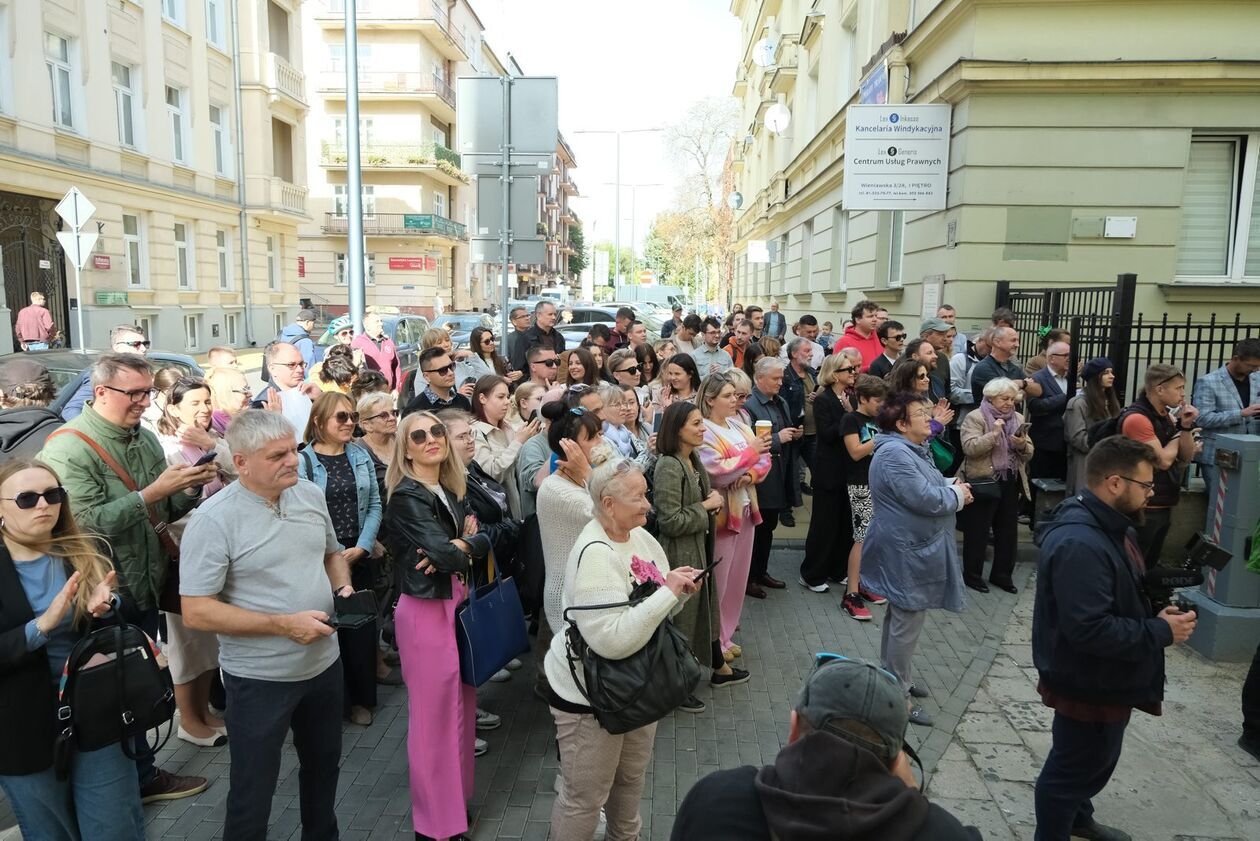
[[310, 467], [627, 603]]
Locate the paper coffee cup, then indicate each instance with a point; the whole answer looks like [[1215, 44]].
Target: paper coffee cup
[[763, 428]]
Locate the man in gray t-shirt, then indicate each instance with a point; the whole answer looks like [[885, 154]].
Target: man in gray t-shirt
[[259, 566]]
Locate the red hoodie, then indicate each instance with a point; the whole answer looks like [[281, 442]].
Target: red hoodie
[[870, 347]]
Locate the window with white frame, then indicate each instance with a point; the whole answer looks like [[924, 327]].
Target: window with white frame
[[341, 200], [145, 325], [839, 258], [184, 264], [365, 131], [192, 332], [278, 320], [59, 56], [223, 254], [896, 248], [133, 250], [337, 57], [176, 106], [230, 321], [219, 129], [439, 203], [173, 10], [125, 102], [273, 264], [216, 23], [369, 268], [1220, 210]]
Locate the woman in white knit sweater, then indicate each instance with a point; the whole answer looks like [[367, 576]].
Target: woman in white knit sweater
[[612, 555], [497, 443]]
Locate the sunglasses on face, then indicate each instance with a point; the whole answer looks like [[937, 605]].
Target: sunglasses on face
[[633, 369], [846, 370], [487, 341], [899, 337], [550, 363], [27, 500], [138, 344], [343, 417], [443, 371], [292, 366], [920, 376], [437, 432], [388, 413]]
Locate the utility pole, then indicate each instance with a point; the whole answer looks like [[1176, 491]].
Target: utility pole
[[354, 245]]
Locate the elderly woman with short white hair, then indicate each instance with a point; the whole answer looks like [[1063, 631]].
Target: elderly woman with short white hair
[[996, 448], [613, 554]]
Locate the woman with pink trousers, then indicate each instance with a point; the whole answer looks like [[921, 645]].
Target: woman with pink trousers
[[736, 460]]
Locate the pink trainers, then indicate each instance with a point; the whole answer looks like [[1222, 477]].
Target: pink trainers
[[873, 598], [852, 604]]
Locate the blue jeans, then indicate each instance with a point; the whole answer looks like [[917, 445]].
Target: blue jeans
[[1082, 757], [259, 715], [99, 800]]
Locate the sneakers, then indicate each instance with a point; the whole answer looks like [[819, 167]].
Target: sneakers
[[736, 676], [487, 720], [480, 746], [871, 598], [852, 605], [514, 664], [920, 716], [501, 676], [692, 705], [817, 588], [917, 691], [168, 786], [1094, 831]]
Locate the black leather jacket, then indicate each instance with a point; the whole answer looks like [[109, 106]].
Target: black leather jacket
[[416, 519]]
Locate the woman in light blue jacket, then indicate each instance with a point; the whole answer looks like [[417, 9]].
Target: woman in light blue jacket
[[910, 554], [343, 469]]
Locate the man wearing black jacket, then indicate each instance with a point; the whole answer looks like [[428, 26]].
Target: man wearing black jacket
[[542, 334], [844, 773], [1097, 645]]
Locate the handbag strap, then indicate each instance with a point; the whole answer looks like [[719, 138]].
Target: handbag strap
[[627, 603], [159, 526]]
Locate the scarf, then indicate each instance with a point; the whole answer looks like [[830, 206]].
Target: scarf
[[620, 438], [1004, 460]]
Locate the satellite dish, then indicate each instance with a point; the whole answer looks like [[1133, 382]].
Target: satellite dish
[[735, 200], [777, 118], [763, 52]]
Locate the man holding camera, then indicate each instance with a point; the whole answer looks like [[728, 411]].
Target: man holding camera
[[1097, 646]]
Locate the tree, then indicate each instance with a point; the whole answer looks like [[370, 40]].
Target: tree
[[698, 145], [577, 260], [627, 259]]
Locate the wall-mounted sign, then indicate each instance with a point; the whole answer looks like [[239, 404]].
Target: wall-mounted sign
[[100, 261], [109, 298], [412, 264], [873, 89], [896, 157], [758, 251], [301, 267]]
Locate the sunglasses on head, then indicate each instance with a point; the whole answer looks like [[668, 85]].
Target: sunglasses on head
[[344, 417], [27, 500], [437, 431], [444, 370]]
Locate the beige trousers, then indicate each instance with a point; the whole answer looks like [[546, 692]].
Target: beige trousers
[[599, 770]]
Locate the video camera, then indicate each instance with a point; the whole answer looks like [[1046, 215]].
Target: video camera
[[1159, 582]]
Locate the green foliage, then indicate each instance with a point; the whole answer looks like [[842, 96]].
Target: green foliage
[[578, 259]]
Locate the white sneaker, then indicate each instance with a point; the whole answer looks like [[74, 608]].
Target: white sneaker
[[557, 785], [501, 676], [601, 829], [817, 588], [480, 746], [514, 664], [487, 720]]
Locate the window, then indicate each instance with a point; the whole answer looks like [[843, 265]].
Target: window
[[282, 150], [176, 100], [145, 323], [839, 250], [341, 200], [192, 331], [1220, 210], [339, 266], [223, 252], [125, 103], [365, 131], [184, 265], [273, 265], [278, 320], [216, 24], [230, 328], [896, 248], [222, 141], [804, 279], [278, 30], [133, 250], [439, 203], [59, 55], [173, 10]]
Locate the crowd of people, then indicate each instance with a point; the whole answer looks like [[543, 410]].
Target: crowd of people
[[233, 524]]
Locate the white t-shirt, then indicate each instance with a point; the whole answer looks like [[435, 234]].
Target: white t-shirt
[[296, 406]]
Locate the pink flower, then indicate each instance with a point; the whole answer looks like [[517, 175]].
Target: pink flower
[[645, 571]]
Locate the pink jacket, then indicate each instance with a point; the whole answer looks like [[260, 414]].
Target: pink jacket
[[870, 347], [383, 358], [726, 464]]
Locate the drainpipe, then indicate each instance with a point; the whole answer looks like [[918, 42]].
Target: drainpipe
[[240, 175]]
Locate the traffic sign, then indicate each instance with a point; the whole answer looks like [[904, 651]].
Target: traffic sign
[[75, 208], [78, 247]]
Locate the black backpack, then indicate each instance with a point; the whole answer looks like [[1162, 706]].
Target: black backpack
[[1108, 427], [531, 565], [116, 687], [23, 430]]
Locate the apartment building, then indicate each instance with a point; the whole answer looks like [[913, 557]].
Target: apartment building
[[135, 102], [1064, 115], [557, 219], [417, 199]]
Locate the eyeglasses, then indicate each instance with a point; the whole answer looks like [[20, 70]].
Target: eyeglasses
[[292, 366], [921, 376], [437, 431], [741, 395], [921, 414], [466, 435], [136, 395], [550, 363], [899, 337], [519, 316], [27, 500], [388, 413], [247, 391], [138, 344], [633, 369], [846, 370], [1150, 486], [444, 370], [348, 333], [343, 417]]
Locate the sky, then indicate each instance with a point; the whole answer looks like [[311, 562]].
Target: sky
[[620, 64]]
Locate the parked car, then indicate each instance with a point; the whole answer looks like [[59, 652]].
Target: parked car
[[461, 324], [584, 317], [405, 329], [68, 366]]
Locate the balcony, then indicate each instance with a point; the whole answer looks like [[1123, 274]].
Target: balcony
[[433, 159], [399, 224], [284, 81], [783, 76], [425, 16], [550, 202], [429, 88], [569, 187], [269, 194]]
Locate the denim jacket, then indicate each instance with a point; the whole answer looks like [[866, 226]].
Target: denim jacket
[[368, 492]]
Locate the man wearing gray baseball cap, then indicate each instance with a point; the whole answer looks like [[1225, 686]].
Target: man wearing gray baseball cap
[[845, 773]]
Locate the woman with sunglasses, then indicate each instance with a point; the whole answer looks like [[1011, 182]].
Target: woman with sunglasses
[[642, 439], [497, 443], [743, 389], [379, 421], [484, 360], [912, 376], [578, 367], [230, 395], [428, 530], [54, 582], [186, 436], [345, 473]]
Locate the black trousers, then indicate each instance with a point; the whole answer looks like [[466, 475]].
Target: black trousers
[[1082, 757], [763, 537], [1151, 533], [1251, 702], [830, 537], [1002, 514], [358, 646], [1048, 464], [260, 714]]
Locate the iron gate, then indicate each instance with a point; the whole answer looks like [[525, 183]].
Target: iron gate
[[31, 263], [1056, 307]]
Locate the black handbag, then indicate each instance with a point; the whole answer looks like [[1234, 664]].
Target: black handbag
[[640, 689], [985, 489]]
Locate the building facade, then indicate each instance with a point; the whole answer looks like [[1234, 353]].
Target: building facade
[[141, 105], [1064, 115]]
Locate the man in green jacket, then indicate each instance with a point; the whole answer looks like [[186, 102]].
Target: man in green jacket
[[122, 388]]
